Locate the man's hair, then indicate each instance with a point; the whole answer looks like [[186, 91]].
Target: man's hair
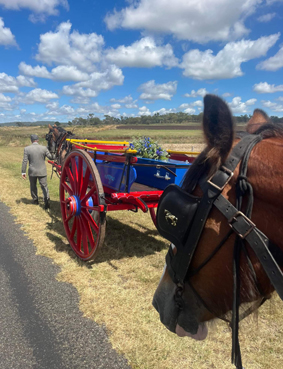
[[33, 138]]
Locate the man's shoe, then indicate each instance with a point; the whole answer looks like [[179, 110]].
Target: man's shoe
[[35, 202], [47, 204]]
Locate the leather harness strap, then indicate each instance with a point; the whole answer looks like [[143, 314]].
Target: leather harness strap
[[247, 230]]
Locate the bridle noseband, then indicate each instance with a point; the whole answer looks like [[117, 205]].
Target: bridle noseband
[[178, 264]]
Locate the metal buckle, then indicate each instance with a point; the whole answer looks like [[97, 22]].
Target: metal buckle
[[234, 219], [225, 170]]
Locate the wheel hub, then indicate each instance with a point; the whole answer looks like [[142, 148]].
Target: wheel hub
[[74, 205]]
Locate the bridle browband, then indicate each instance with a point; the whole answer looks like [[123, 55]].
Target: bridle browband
[[178, 264]]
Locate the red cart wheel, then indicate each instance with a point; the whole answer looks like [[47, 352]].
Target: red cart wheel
[[81, 199]]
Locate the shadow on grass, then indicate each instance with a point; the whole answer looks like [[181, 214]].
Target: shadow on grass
[[121, 240]]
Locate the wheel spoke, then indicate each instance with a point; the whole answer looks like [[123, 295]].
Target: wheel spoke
[[79, 235], [85, 182], [89, 234], [95, 208], [90, 220], [90, 192], [70, 177], [67, 188], [74, 227], [80, 175], [75, 174], [69, 218], [84, 238]]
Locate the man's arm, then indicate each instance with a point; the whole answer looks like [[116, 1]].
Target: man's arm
[[24, 164], [49, 155]]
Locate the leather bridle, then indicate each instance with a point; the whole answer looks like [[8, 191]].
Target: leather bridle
[[57, 143], [269, 255]]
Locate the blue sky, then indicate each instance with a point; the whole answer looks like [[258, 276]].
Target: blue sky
[[62, 59]]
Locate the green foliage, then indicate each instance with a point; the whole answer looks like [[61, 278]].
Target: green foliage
[[148, 148]]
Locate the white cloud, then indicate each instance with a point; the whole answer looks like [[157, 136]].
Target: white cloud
[[190, 111], [163, 111], [142, 54], [197, 103], [227, 63], [12, 84], [201, 92], [53, 108], [266, 88], [272, 105], [96, 82], [38, 6], [127, 100], [144, 111], [239, 107], [266, 17], [5, 102], [226, 94], [64, 48], [68, 73], [124, 100], [274, 63], [37, 95], [75, 90], [251, 101], [164, 91], [60, 73], [6, 36], [199, 21], [116, 106], [132, 105], [37, 71]]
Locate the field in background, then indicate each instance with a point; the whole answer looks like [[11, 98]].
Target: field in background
[[117, 289]]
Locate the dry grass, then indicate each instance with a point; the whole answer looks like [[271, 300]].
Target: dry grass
[[117, 289]]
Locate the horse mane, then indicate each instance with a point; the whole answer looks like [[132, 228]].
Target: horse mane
[[202, 165], [63, 130]]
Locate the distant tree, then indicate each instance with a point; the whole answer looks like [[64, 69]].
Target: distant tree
[[20, 124], [58, 124], [70, 123]]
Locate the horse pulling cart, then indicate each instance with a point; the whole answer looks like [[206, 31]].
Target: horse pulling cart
[[100, 176]]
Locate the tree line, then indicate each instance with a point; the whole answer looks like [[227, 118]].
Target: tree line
[[170, 118]]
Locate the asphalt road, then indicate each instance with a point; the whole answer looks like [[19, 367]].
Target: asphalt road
[[41, 326]]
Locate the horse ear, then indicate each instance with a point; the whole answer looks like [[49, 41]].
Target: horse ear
[[54, 125], [49, 126], [218, 128], [258, 119]]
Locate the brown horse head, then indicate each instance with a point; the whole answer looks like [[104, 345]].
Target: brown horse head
[[57, 144], [207, 292]]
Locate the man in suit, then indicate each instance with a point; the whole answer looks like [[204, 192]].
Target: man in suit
[[35, 155]]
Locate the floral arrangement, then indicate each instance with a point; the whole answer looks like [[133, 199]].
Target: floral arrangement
[[148, 148]]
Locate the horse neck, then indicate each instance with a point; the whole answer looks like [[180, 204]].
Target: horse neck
[[265, 173]]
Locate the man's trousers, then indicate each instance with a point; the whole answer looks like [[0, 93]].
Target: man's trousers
[[33, 188]]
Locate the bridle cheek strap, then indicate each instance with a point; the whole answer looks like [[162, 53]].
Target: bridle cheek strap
[[178, 264]]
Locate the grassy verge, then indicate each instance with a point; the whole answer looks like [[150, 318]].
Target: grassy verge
[[117, 289]]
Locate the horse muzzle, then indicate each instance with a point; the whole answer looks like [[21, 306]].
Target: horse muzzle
[[180, 320]]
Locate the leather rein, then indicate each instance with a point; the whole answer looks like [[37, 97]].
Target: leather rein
[[239, 221]]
